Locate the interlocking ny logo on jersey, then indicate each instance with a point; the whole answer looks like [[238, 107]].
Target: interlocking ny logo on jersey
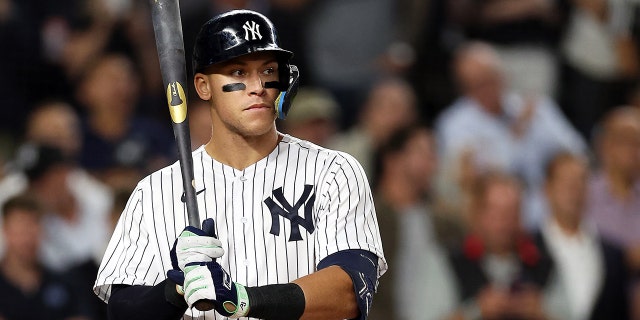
[[251, 27], [290, 212]]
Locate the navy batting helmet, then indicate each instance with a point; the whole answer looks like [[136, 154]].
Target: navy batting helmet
[[240, 32], [233, 34]]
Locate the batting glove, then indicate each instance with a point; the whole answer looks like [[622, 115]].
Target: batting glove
[[209, 281], [195, 245]]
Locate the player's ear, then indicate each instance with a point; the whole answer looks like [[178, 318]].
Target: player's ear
[[203, 86]]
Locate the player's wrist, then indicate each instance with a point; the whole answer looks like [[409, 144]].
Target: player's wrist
[[276, 301], [241, 308]]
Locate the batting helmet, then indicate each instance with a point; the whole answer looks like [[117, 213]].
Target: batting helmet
[[240, 32]]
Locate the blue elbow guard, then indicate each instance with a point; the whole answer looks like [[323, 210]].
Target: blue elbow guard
[[362, 267]]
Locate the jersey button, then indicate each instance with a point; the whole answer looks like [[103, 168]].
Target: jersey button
[[243, 179], [244, 220]]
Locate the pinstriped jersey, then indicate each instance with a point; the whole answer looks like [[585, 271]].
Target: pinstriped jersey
[[277, 219]]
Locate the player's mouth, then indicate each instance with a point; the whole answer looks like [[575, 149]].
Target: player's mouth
[[259, 106]]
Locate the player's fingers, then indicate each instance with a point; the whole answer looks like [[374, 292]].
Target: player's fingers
[[176, 276], [190, 231], [197, 241], [211, 252], [205, 246], [197, 258], [209, 227], [198, 284]]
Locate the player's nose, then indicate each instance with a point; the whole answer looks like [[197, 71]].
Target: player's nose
[[255, 84]]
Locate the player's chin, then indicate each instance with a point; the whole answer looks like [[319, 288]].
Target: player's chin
[[257, 126]]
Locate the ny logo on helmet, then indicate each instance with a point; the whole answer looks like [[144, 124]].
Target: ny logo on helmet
[[251, 27]]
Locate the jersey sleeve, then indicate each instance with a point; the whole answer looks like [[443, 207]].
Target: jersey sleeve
[[346, 214], [129, 258]]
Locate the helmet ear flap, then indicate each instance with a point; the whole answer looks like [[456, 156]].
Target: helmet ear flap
[[288, 91]]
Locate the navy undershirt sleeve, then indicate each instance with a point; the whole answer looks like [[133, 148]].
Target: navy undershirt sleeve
[[142, 303], [362, 267]]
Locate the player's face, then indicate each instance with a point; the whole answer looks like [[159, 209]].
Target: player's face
[[236, 90]]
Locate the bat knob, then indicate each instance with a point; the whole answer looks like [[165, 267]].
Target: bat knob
[[203, 305]]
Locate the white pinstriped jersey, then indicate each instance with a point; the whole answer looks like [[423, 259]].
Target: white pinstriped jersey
[[278, 218]]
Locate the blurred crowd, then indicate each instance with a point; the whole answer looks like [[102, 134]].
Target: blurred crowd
[[501, 139]]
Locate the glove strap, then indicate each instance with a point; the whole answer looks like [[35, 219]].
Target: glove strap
[[242, 308]]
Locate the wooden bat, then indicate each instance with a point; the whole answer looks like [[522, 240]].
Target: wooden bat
[[167, 27]]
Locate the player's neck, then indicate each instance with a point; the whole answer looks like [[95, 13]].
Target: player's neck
[[241, 152]]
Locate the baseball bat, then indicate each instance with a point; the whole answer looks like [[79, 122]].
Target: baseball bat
[[167, 27]]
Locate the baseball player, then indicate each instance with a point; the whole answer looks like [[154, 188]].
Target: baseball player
[[290, 229]]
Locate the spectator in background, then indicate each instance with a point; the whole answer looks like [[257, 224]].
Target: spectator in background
[[20, 64], [500, 273], [525, 34], [55, 123], [70, 214], [490, 127], [428, 28], [635, 310], [290, 17], [613, 200], [75, 207], [29, 290], [591, 270], [120, 198], [345, 42], [414, 234], [634, 96], [313, 116], [119, 146], [600, 58], [390, 105]]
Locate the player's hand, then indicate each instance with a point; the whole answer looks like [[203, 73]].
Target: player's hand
[[195, 245], [209, 281]]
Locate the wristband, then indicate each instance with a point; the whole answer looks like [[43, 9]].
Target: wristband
[[276, 301]]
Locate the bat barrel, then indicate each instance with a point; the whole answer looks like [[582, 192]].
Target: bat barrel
[[167, 27]]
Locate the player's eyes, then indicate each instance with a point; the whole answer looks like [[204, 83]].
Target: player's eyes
[[270, 70], [237, 72]]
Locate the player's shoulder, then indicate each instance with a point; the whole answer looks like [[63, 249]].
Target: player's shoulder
[[328, 157]]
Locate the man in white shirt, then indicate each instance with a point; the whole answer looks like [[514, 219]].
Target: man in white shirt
[[491, 128], [591, 270]]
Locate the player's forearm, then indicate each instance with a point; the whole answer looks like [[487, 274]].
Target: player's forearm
[[328, 294], [325, 294], [143, 302]]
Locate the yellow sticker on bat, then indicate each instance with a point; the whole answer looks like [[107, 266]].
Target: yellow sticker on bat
[[177, 102]]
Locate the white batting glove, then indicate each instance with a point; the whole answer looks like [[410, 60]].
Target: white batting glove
[[211, 283], [196, 245]]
